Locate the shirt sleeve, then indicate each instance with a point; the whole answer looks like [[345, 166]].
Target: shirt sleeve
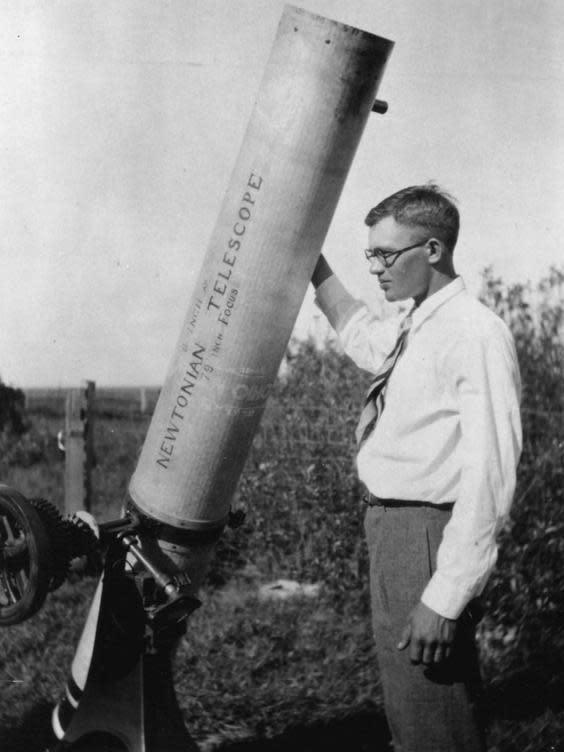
[[484, 376], [365, 338]]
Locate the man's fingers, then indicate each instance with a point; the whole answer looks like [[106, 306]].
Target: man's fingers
[[440, 654], [416, 651], [429, 650], [405, 638], [428, 635]]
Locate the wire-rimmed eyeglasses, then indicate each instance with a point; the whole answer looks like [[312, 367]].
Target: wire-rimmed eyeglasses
[[388, 258]]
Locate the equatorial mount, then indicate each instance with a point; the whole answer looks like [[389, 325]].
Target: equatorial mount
[[39, 548], [121, 686]]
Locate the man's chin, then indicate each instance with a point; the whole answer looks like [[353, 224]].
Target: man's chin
[[393, 296]]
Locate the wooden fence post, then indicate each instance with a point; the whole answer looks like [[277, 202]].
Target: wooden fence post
[[79, 447], [142, 400]]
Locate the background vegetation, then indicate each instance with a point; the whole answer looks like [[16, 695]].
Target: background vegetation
[[255, 669]]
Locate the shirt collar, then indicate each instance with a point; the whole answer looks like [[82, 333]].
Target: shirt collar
[[435, 301]]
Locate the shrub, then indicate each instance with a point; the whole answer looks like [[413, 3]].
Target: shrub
[[12, 410], [525, 596], [20, 444], [299, 486]]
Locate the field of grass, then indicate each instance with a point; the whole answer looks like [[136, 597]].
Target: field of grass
[[301, 673]]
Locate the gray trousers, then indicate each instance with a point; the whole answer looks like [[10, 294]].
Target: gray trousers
[[428, 709]]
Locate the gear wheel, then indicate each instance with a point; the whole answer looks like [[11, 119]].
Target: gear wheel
[[84, 543], [70, 538], [60, 539]]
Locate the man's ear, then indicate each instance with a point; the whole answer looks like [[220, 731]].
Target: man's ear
[[437, 250]]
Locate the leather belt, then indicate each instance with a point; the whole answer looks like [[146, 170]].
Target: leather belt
[[375, 501]]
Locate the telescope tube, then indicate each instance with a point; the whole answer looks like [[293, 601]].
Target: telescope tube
[[316, 95]]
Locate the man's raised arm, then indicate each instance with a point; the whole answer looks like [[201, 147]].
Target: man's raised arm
[[365, 339]]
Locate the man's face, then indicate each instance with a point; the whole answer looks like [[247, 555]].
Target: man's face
[[410, 274]]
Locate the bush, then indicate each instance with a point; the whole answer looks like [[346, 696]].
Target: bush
[[299, 486], [18, 444], [12, 410], [523, 632]]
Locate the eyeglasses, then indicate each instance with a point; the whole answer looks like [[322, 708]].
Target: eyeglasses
[[389, 258]]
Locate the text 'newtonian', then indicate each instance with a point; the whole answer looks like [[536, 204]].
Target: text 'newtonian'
[[183, 396]]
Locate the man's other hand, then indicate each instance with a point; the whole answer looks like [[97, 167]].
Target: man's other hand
[[429, 636]]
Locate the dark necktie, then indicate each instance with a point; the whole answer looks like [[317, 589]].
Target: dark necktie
[[374, 403]]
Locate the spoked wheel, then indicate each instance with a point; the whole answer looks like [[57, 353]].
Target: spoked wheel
[[25, 570]]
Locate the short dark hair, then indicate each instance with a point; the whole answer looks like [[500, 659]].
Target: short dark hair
[[421, 206]]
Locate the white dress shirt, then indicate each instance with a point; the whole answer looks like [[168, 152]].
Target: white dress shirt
[[450, 430]]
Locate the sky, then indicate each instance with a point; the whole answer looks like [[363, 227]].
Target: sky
[[121, 122]]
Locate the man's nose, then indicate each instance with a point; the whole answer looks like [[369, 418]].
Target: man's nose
[[376, 266]]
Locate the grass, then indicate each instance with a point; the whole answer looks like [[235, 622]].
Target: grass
[[247, 668]]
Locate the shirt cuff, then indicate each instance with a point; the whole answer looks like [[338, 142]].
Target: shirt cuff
[[336, 302], [444, 598]]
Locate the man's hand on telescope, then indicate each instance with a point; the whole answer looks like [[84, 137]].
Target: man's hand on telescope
[[429, 635], [321, 272]]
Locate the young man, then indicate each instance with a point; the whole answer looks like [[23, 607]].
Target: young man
[[439, 440]]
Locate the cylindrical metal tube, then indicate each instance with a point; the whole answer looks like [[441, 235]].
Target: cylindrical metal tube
[[317, 92]]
